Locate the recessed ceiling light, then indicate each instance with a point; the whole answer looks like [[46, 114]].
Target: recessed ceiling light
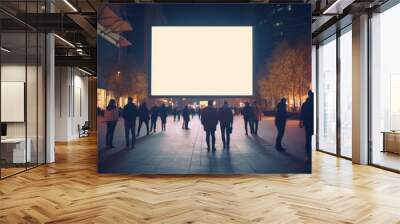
[[5, 50]]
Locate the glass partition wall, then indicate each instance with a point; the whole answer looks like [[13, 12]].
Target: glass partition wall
[[327, 77], [334, 94], [346, 95], [22, 77], [385, 89]]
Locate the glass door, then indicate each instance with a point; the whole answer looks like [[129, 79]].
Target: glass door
[[14, 155], [22, 76], [385, 89], [346, 95], [327, 95]]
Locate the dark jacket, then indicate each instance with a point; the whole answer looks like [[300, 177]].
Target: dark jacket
[[307, 113], [247, 113], [163, 112], [225, 116], [154, 112], [257, 113], [130, 112], [281, 115], [186, 114], [143, 112], [209, 118]]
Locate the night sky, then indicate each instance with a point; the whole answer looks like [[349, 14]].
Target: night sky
[[272, 24]]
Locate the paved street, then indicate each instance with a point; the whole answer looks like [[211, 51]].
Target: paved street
[[179, 151]]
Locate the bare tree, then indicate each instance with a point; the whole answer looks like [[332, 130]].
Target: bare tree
[[288, 75], [115, 83], [139, 86]]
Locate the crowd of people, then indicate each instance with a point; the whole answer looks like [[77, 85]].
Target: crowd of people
[[210, 116]]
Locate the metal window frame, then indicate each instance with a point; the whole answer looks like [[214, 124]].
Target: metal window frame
[[44, 75], [381, 9], [337, 34]]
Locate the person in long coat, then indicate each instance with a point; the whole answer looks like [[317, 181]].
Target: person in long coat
[[186, 117], [280, 122], [144, 117], [209, 120], [307, 121], [226, 123], [163, 115]]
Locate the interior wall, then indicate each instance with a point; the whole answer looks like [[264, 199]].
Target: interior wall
[[16, 72], [71, 102], [32, 128]]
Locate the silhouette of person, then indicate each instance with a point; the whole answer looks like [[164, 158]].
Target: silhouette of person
[[111, 115], [209, 120], [129, 114], [186, 117], [178, 112], [307, 121], [175, 112], [192, 112], [143, 112], [153, 118], [226, 123], [280, 122], [198, 111], [163, 116], [257, 116], [248, 117]]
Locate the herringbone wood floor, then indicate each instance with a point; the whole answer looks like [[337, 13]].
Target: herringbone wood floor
[[70, 191]]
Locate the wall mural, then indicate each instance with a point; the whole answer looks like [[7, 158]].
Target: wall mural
[[204, 88]]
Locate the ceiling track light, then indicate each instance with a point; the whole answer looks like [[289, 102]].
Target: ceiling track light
[[5, 50], [84, 71], [70, 5], [337, 7], [64, 40], [327, 11]]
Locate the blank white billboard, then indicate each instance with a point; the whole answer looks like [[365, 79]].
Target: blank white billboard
[[201, 61], [12, 101]]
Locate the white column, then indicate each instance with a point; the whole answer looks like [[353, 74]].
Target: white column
[[360, 90], [50, 92], [50, 99], [62, 103]]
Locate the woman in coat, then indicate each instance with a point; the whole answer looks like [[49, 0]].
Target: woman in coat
[[111, 118]]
